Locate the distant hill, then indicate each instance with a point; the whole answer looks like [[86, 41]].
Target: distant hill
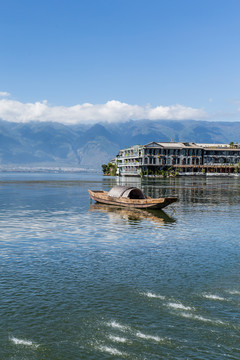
[[53, 144]]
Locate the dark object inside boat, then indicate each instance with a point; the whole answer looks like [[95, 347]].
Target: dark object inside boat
[[126, 192]]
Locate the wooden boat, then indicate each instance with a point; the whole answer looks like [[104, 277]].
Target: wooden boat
[[130, 197]]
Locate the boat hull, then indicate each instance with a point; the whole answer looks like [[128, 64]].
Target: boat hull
[[148, 203]]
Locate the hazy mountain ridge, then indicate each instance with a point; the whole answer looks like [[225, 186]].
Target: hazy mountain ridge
[[55, 144]]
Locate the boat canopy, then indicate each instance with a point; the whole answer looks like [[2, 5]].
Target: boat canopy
[[126, 192]]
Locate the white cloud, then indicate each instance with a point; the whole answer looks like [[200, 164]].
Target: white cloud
[[4, 93], [112, 111]]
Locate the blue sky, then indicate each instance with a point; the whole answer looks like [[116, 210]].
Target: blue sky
[[133, 55]]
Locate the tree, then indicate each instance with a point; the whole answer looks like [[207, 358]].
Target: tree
[[109, 169], [237, 168], [104, 166]]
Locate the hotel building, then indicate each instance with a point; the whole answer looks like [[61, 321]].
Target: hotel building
[[183, 157]]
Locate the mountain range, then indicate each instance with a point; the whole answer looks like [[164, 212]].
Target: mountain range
[[88, 146]]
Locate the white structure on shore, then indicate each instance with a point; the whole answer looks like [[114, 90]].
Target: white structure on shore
[[184, 157]]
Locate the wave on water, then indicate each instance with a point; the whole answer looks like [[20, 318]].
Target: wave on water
[[136, 333], [201, 318], [154, 296], [233, 292], [118, 326], [17, 341], [179, 306], [117, 339], [149, 337], [111, 350], [214, 297]]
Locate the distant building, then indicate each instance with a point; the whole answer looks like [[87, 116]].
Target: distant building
[[185, 157]]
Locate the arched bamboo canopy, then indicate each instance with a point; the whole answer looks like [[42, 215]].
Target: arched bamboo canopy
[[126, 192]]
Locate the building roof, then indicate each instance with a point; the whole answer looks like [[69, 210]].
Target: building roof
[[182, 145], [175, 145], [214, 145]]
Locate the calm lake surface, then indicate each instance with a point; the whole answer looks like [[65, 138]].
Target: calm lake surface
[[81, 281]]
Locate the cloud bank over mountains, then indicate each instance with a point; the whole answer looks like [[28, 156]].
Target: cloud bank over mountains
[[112, 111]]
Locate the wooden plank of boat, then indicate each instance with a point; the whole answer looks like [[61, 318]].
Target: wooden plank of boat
[[150, 203]]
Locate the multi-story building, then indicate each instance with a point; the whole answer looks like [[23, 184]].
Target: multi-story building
[[221, 155], [152, 158]]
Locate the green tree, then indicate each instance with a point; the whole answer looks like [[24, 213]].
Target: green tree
[[104, 168], [237, 168], [109, 169]]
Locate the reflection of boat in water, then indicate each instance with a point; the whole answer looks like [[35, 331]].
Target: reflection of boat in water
[[130, 197], [158, 216]]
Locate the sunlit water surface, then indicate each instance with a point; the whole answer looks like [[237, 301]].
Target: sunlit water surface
[[83, 281]]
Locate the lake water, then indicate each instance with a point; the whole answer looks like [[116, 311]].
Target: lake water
[[81, 281]]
